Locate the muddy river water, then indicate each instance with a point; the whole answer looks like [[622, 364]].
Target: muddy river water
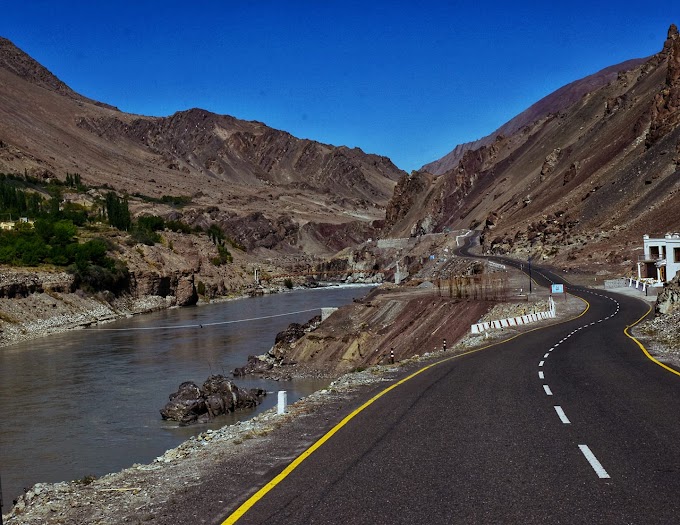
[[87, 402]]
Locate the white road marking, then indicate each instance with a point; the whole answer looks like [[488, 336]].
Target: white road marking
[[547, 390], [560, 413], [597, 466], [540, 375], [541, 363], [545, 356]]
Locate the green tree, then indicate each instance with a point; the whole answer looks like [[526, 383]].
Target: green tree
[[216, 234], [64, 233], [118, 212]]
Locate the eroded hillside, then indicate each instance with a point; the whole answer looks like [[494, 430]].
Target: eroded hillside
[[580, 186], [242, 174]]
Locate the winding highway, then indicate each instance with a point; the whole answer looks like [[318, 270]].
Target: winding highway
[[572, 423]]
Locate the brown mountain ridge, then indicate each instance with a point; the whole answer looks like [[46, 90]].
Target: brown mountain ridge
[[579, 176], [244, 170], [553, 103], [580, 185]]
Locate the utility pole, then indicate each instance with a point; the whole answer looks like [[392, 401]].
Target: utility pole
[[529, 260], [0, 500]]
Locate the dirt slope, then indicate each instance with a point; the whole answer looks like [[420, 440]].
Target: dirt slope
[[581, 185]]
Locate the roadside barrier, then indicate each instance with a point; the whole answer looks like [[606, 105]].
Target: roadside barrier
[[478, 328], [638, 285], [496, 265]]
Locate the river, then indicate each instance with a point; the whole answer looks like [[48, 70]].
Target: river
[[87, 402]]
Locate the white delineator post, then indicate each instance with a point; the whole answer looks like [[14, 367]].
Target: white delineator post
[[283, 401]]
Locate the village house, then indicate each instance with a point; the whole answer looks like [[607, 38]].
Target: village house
[[661, 260], [9, 225]]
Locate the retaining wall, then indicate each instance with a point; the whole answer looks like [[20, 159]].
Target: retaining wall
[[478, 328]]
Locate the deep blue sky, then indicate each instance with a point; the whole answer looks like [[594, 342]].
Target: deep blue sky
[[403, 79]]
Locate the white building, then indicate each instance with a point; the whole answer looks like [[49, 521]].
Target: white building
[[9, 225], [661, 261]]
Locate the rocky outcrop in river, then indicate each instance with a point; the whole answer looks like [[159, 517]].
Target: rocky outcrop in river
[[276, 357], [218, 395]]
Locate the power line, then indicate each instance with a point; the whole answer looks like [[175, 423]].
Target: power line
[[201, 325]]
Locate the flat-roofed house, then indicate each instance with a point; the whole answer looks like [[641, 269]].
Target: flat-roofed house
[[661, 260]]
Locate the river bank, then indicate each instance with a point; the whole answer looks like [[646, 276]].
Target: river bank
[[163, 489], [86, 402], [170, 486], [47, 306]]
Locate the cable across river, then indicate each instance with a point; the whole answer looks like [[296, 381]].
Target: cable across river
[[202, 325]]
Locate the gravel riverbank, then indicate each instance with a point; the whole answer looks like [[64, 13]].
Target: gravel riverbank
[[168, 487], [158, 492]]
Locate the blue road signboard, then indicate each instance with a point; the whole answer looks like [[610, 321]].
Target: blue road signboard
[[557, 288]]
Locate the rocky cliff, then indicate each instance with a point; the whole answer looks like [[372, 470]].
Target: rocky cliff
[[668, 301], [580, 186], [553, 103], [665, 113], [177, 271]]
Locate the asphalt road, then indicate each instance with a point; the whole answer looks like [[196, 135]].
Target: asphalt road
[[566, 424]]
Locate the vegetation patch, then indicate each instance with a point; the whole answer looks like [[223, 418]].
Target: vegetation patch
[[177, 201], [45, 232]]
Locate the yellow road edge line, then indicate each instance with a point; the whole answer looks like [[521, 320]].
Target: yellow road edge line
[[642, 347], [250, 502]]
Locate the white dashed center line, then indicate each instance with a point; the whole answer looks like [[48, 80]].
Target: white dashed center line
[[597, 466], [560, 413], [585, 450]]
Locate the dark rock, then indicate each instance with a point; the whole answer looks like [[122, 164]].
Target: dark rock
[[218, 395], [185, 291], [255, 365], [291, 334], [186, 404], [277, 356]]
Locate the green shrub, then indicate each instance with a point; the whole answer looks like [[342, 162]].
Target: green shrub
[[143, 236], [151, 222], [114, 277], [178, 226], [176, 200], [216, 234], [223, 256]]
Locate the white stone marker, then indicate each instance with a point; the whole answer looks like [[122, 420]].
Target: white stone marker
[[283, 401]]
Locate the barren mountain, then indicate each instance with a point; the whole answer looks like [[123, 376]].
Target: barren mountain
[[582, 184], [552, 103], [244, 172]]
